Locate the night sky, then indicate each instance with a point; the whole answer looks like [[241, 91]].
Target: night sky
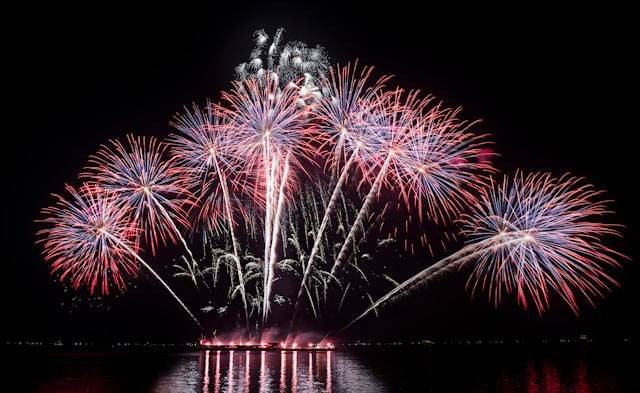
[[555, 87]]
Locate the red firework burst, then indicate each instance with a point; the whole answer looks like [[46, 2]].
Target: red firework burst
[[141, 176], [543, 235], [88, 239]]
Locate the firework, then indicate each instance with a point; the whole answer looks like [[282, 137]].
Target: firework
[[292, 62], [91, 241], [419, 150], [140, 177], [442, 170], [347, 96], [75, 243], [206, 149], [281, 177], [530, 236], [268, 122], [551, 232], [275, 135]]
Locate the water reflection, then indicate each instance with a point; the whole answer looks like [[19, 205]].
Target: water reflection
[[217, 378], [330, 371], [205, 383], [266, 371]]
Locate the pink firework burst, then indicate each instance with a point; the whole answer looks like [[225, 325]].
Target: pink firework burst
[[276, 144], [206, 149], [204, 141], [542, 235], [349, 94], [442, 168], [393, 126], [141, 176], [89, 238], [271, 126]]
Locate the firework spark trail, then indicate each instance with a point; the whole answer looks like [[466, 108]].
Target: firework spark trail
[[271, 125], [78, 240], [445, 265], [320, 232], [364, 210], [234, 242], [206, 142], [427, 153], [347, 97], [530, 235], [145, 264], [171, 223], [269, 170], [274, 241], [392, 125]]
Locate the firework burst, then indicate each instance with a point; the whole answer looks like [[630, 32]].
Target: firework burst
[[349, 93], [76, 241], [293, 61], [207, 149], [90, 240], [347, 96], [269, 123], [422, 152], [141, 177], [275, 138], [442, 170], [530, 236], [547, 236]]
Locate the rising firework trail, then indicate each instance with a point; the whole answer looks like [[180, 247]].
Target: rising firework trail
[[402, 131], [91, 241], [531, 235], [141, 178], [423, 153], [347, 97], [391, 125], [274, 132], [276, 230], [206, 150]]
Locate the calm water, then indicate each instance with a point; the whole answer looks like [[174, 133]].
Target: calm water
[[557, 369]]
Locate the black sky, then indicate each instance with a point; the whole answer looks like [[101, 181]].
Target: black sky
[[557, 89]]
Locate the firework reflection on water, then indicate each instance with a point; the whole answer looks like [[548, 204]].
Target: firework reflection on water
[[560, 368], [265, 371]]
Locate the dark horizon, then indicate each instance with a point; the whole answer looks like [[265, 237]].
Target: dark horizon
[[553, 87]]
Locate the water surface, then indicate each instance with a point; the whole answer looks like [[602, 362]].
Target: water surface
[[553, 369]]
